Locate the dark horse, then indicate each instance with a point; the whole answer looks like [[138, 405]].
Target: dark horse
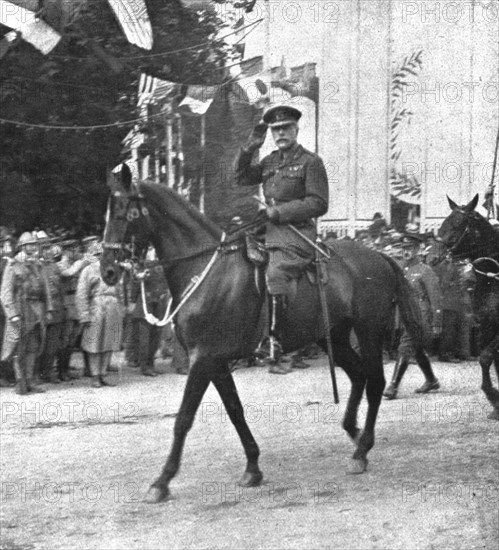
[[470, 235], [219, 322]]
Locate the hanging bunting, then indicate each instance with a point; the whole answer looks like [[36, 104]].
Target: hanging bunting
[[33, 30], [134, 20], [199, 98]]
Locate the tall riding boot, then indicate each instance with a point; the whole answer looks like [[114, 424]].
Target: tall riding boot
[[30, 374], [21, 386], [277, 312], [398, 373]]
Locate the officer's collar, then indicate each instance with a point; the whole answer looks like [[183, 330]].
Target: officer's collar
[[291, 153]]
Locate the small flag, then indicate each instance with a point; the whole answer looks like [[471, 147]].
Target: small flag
[[33, 30]]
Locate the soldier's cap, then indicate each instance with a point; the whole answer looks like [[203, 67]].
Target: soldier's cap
[[281, 115]]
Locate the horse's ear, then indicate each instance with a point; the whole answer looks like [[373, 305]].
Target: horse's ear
[[126, 176], [472, 204], [452, 204]]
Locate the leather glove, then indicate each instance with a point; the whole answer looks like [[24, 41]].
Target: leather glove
[[257, 137]]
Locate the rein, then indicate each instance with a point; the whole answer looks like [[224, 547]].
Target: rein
[[225, 245], [488, 274], [194, 284]]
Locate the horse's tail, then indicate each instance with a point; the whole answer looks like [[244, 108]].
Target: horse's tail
[[408, 304]]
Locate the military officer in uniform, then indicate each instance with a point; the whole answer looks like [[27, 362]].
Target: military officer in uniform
[[296, 191], [426, 288]]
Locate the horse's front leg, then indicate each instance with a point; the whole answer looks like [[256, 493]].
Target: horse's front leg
[[224, 382], [197, 382]]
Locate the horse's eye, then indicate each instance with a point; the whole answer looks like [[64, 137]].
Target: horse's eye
[[145, 212]]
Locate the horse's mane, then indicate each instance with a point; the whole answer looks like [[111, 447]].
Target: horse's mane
[[168, 201]]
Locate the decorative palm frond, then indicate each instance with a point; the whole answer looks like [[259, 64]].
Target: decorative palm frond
[[402, 76]]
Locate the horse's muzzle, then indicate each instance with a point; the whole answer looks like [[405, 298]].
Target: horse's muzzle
[[110, 273]]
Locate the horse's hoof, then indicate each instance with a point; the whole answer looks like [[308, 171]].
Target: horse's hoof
[[357, 466], [494, 415], [251, 479], [156, 495]]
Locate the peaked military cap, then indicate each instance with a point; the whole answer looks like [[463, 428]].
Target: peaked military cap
[[410, 240], [281, 115]]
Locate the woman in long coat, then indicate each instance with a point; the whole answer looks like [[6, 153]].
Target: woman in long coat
[[101, 311]]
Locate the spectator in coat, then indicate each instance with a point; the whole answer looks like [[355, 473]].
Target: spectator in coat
[[101, 312]]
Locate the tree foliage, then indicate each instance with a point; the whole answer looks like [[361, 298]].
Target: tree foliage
[[89, 79]]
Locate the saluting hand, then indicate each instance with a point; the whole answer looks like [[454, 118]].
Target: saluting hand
[[257, 137]]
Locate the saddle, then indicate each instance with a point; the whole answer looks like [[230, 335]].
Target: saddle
[[258, 255], [256, 251]]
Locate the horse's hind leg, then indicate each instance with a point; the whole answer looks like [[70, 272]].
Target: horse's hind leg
[[371, 347], [197, 382], [351, 363], [224, 382]]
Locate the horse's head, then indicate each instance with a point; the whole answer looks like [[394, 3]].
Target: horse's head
[[455, 229], [467, 233], [127, 231]]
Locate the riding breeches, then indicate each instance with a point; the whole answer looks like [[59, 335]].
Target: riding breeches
[[285, 267]]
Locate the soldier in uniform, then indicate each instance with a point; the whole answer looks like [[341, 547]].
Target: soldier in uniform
[[425, 285], [296, 191], [51, 252], [26, 301], [70, 266]]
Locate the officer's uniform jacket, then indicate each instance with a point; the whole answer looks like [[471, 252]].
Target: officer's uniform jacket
[[24, 293], [295, 184]]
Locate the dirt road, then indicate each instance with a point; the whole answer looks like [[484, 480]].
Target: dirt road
[[76, 462]]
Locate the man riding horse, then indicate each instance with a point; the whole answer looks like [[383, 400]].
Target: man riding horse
[[296, 190]]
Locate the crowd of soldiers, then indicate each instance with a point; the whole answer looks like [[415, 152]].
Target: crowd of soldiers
[[55, 302]]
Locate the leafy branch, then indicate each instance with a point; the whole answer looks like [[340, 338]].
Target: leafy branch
[[401, 78]]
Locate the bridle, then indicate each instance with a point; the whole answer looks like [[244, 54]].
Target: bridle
[[126, 208]]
